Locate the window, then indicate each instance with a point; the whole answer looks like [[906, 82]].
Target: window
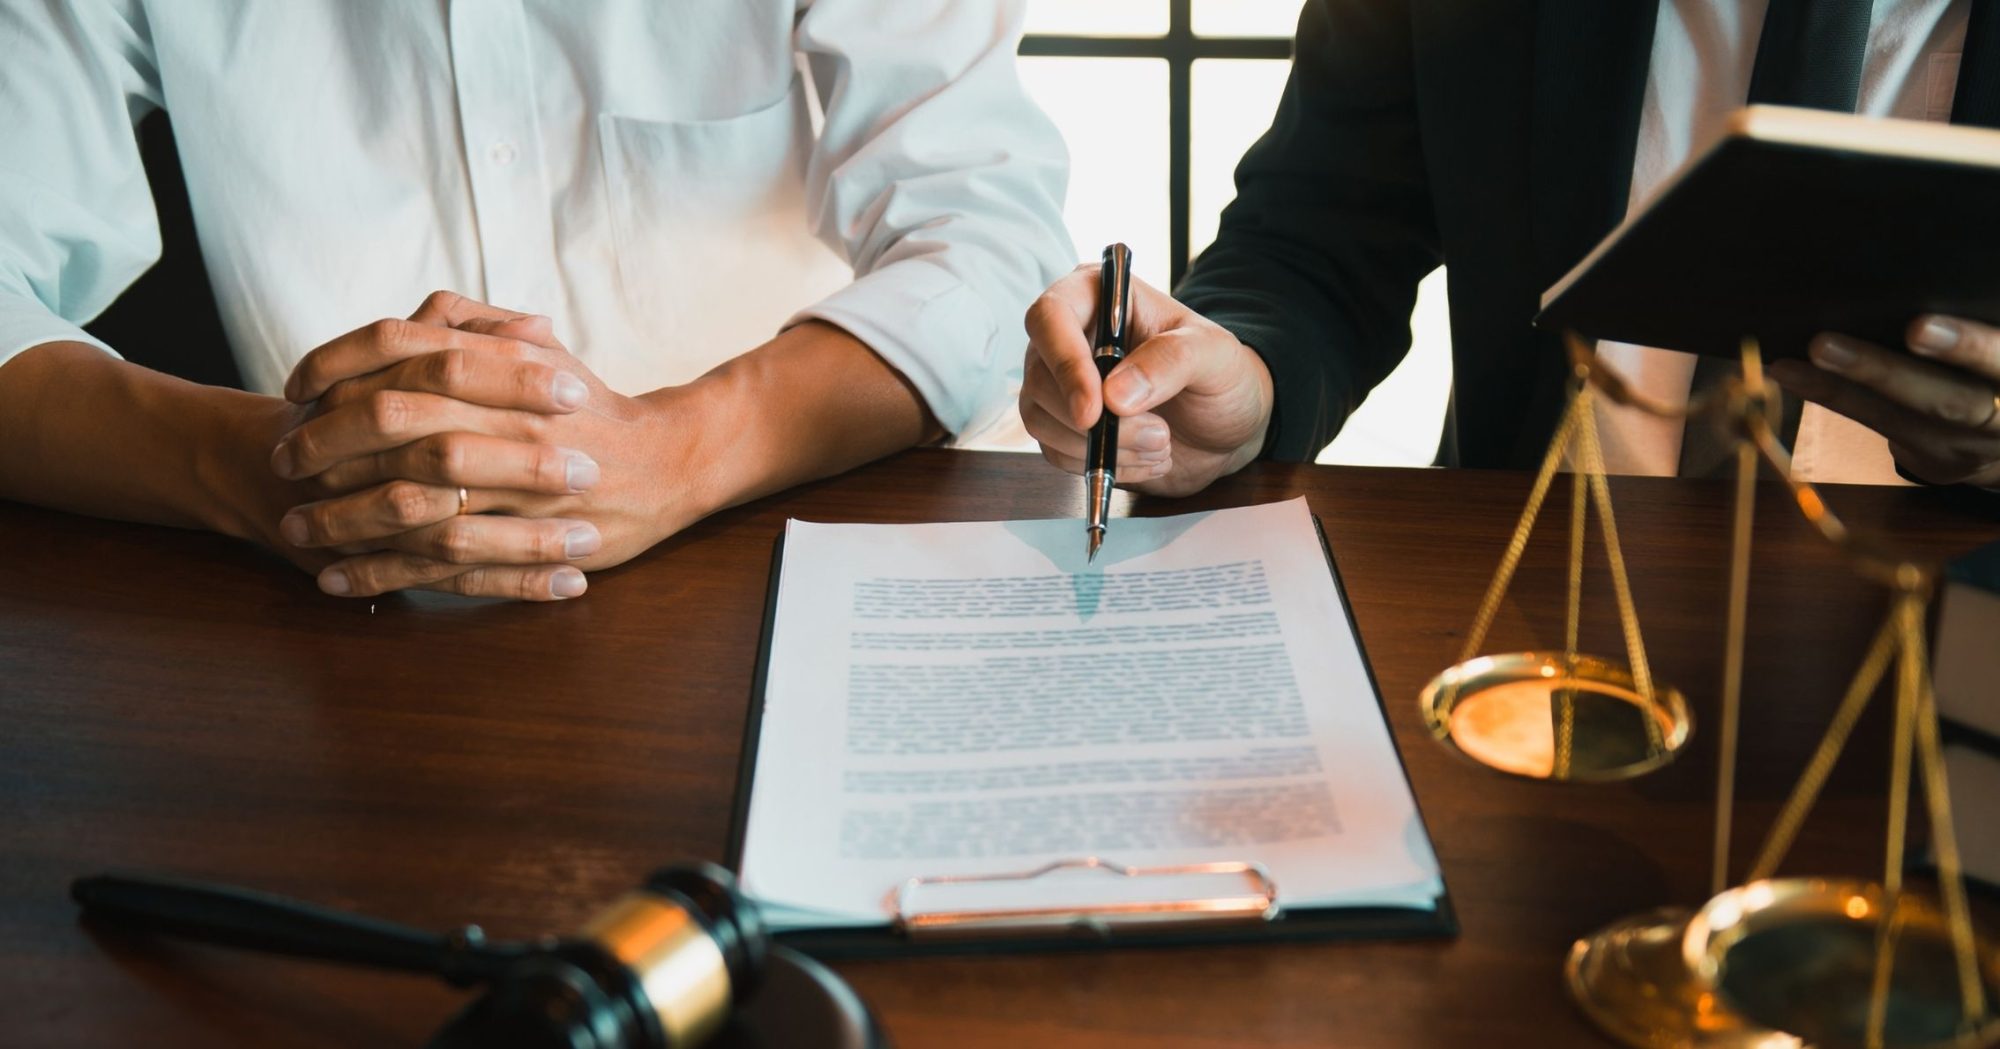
[[1158, 99]]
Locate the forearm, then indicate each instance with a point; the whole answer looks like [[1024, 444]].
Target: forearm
[[813, 402], [81, 430]]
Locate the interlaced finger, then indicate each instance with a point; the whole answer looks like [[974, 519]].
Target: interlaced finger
[[507, 375], [470, 460], [499, 539], [452, 310], [386, 509], [378, 345], [381, 573], [388, 419]]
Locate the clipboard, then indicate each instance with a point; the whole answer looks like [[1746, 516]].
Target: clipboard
[[1252, 914]]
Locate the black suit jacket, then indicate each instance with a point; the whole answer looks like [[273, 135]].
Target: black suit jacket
[[1496, 135]]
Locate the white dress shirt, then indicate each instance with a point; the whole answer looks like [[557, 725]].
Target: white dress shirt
[[1703, 54], [672, 181]]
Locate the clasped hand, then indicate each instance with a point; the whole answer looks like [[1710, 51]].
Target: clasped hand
[[559, 474]]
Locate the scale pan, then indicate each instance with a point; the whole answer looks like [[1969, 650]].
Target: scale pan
[[1798, 955], [1542, 715]]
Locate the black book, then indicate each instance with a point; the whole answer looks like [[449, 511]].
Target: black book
[[1794, 222]]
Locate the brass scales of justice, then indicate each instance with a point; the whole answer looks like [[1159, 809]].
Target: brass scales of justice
[[1774, 963]]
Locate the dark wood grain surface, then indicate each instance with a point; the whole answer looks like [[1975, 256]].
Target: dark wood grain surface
[[181, 703]]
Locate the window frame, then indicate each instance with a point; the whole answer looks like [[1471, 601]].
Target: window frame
[[1180, 48]]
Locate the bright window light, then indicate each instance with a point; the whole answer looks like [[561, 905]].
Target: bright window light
[[1244, 17], [1099, 17], [1113, 114]]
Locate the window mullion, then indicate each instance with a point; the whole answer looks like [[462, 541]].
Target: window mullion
[[1180, 105]]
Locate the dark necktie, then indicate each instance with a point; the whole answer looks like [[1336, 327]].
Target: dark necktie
[[1810, 54], [1977, 101]]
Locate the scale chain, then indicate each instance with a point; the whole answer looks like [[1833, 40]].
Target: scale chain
[[1621, 586], [1944, 833], [1489, 606], [1566, 697]]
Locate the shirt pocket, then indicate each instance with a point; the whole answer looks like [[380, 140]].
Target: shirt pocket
[[710, 226]]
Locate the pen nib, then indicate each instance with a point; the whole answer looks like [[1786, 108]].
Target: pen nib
[[1096, 540]]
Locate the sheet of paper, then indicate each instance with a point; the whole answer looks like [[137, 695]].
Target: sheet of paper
[[973, 698]]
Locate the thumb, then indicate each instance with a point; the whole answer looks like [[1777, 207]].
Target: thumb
[[449, 309], [533, 328], [1177, 360]]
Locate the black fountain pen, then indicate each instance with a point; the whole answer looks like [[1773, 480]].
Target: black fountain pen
[[1100, 458]]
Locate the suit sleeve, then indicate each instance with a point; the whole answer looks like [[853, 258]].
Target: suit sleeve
[[1317, 261]]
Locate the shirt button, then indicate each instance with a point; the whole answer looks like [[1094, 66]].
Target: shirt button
[[502, 153]]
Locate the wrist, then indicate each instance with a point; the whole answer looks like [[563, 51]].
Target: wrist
[[810, 403], [700, 447], [238, 493], [1263, 412], [1267, 402]]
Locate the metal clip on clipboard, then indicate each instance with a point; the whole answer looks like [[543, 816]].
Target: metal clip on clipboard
[[1258, 903]]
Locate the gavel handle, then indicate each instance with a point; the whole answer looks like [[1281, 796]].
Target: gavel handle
[[257, 921]]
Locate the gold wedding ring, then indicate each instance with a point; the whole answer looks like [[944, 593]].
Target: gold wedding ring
[[465, 498], [1993, 417]]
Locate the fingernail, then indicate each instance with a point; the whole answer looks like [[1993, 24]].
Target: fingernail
[[582, 541], [281, 460], [1831, 351], [293, 528], [1936, 335], [1127, 388], [580, 472], [334, 581], [1153, 438], [567, 583], [568, 391]]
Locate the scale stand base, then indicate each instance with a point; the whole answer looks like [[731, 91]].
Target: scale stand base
[[1631, 980]]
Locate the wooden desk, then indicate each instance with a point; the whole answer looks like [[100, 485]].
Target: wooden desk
[[178, 702]]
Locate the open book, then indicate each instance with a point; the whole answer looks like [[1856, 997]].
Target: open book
[[1794, 222], [973, 699]]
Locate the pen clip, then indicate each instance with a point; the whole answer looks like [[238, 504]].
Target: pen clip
[[1114, 302]]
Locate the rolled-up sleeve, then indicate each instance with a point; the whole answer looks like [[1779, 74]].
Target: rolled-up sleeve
[[942, 184], [76, 218]]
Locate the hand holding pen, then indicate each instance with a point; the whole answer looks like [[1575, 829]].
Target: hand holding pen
[[1192, 402]]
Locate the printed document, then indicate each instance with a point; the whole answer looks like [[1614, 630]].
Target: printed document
[[973, 698]]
